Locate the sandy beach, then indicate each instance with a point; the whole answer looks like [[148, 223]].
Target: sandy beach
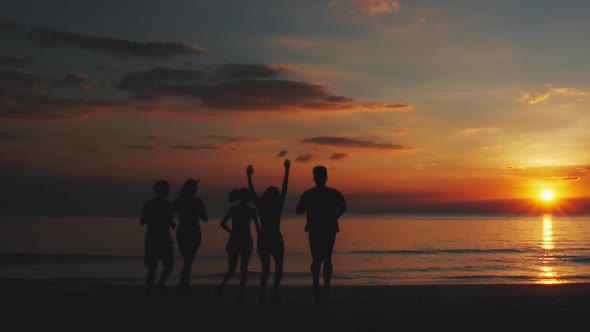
[[33, 306]]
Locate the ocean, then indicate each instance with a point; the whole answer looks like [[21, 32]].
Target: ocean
[[369, 250]]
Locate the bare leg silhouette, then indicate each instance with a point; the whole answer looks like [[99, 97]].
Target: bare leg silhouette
[[245, 259], [265, 261], [232, 265], [327, 275], [151, 277], [278, 256], [185, 276], [315, 275]]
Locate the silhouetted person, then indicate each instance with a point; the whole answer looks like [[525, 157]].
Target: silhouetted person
[[270, 240], [239, 244], [189, 209], [158, 215], [323, 206]]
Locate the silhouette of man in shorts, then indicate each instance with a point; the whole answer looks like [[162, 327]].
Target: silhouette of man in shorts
[[158, 215], [324, 206]]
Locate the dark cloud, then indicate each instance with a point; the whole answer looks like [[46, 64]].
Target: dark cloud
[[17, 80], [7, 137], [353, 143], [245, 90], [282, 153], [71, 80], [139, 146], [38, 107], [339, 156], [306, 158], [152, 137], [12, 26], [233, 139], [23, 97], [241, 71], [15, 61], [244, 95], [148, 82], [55, 38], [92, 149], [193, 147]]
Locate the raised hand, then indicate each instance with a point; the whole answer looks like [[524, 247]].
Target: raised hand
[[249, 169], [287, 163]]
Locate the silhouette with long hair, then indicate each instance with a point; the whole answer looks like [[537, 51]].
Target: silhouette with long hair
[[324, 206], [158, 215], [189, 209], [270, 240], [239, 244]]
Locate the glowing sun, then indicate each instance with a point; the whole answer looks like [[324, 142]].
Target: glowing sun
[[547, 195]]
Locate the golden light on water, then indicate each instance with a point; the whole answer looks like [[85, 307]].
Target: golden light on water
[[547, 233], [548, 275]]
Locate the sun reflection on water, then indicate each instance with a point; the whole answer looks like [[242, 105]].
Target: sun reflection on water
[[548, 275]]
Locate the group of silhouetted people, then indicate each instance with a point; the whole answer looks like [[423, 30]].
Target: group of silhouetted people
[[323, 206]]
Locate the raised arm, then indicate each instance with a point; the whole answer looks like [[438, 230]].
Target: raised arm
[[224, 221], [249, 171], [256, 222], [287, 165]]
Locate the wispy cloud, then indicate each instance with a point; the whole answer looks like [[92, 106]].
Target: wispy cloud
[[342, 141], [282, 153], [339, 156], [56, 38], [193, 147], [139, 146], [537, 98], [371, 7], [304, 158], [554, 173], [401, 130], [412, 27], [479, 131], [234, 139]]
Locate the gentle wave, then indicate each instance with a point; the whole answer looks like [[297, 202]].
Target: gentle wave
[[29, 258], [437, 251]]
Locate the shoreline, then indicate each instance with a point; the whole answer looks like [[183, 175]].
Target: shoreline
[[487, 307]]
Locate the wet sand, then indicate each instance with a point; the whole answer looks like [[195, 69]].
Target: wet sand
[[38, 306]]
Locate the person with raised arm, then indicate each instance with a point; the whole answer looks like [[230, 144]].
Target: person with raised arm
[[270, 240]]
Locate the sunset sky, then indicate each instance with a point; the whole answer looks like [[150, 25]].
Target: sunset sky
[[408, 101]]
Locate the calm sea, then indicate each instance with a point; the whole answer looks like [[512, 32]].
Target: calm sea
[[370, 250]]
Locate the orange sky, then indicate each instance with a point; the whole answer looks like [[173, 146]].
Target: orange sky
[[417, 101]]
